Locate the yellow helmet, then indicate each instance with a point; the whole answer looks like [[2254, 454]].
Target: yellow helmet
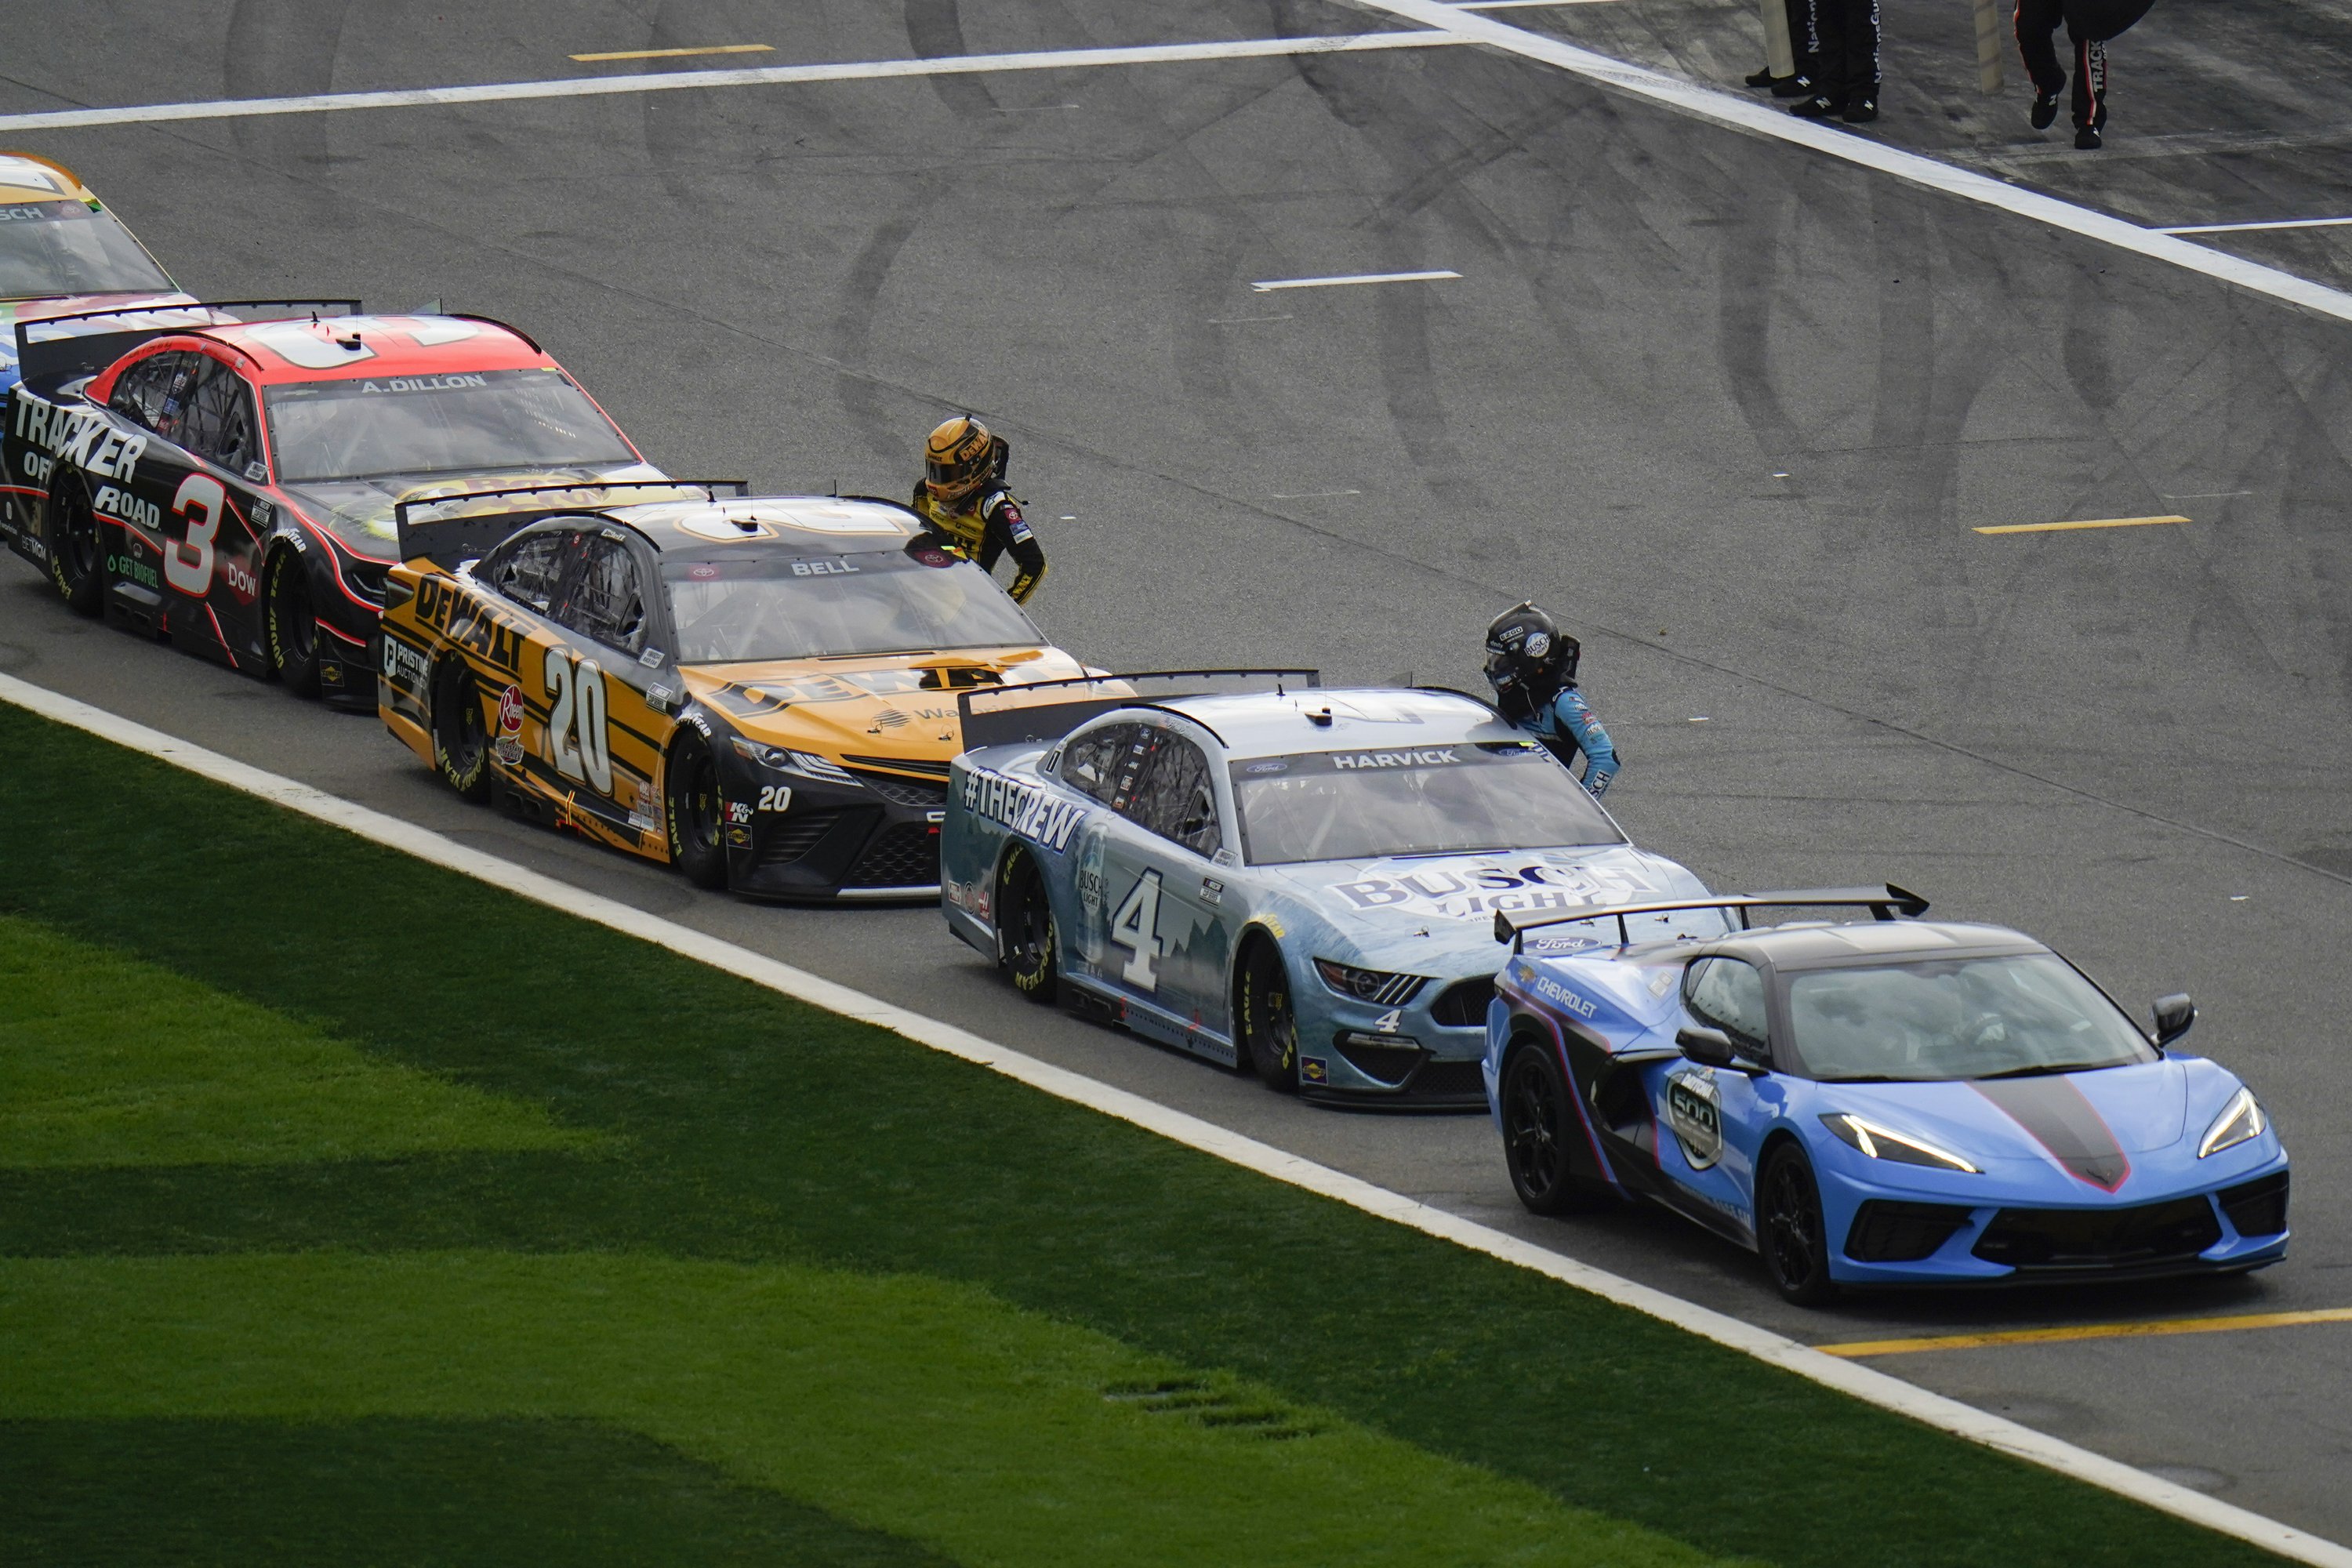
[[959, 457]]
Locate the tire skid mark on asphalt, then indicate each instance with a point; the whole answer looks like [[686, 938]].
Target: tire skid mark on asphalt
[[1837, 1373]]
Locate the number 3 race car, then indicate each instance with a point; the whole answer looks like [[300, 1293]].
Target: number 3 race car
[[760, 691], [1898, 1102], [230, 485], [63, 254], [1294, 882]]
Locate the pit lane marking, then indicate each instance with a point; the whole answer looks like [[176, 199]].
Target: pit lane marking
[[2091, 1331], [748, 75], [1839, 1374], [2243, 227], [673, 53], [2083, 522], [1341, 282], [1774, 122]]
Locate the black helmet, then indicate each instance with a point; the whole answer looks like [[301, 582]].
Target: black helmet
[[1528, 658]]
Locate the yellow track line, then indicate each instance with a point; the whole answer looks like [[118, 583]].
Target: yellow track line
[[2091, 1331], [672, 54], [2056, 527]]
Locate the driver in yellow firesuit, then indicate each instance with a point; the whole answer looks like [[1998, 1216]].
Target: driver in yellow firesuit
[[962, 497]]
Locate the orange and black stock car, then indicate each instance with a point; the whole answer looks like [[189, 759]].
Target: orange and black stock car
[[759, 690]]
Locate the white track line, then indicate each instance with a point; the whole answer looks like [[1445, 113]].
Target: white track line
[[748, 75], [1272, 284], [1847, 1377], [1758, 118], [2242, 228]]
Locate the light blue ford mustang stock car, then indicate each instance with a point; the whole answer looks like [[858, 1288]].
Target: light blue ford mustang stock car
[[1294, 881], [1896, 1102]]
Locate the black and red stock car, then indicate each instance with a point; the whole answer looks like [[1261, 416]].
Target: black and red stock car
[[231, 484]]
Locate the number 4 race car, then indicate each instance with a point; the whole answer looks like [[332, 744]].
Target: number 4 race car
[[1898, 1102], [1294, 882], [230, 484], [759, 690]]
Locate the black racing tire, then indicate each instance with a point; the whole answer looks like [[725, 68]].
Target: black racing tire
[[1026, 937], [461, 736], [76, 550], [1539, 1132], [1269, 1023], [693, 808], [1790, 1232], [290, 623]]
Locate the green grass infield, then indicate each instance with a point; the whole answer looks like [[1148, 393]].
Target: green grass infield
[[375, 1187]]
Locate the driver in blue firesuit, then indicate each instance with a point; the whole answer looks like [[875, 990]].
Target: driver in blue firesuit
[[1531, 665]]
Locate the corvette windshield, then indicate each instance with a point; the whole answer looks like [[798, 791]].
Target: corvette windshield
[[64, 247], [371, 427], [1428, 800], [879, 601], [1958, 1018]]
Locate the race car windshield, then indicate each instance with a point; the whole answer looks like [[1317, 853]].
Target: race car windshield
[[881, 601], [1428, 799], [1957, 1018], [373, 427], [64, 247]]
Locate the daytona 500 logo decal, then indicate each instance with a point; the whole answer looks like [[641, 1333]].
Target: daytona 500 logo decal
[[1023, 807]]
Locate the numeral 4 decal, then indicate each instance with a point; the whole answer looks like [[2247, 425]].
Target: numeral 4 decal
[[576, 740], [189, 566], [1136, 927]]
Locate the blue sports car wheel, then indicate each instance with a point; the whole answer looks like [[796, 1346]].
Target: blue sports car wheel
[[1789, 1228], [1536, 1131]]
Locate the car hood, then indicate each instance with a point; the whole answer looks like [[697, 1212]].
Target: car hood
[[359, 512], [1368, 900], [2089, 1122], [889, 707]]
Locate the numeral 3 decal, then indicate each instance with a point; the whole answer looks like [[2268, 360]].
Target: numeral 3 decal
[[576, 741], [1136, 927], [188, 566]]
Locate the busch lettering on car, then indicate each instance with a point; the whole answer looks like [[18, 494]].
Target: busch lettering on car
[[1024, 808]]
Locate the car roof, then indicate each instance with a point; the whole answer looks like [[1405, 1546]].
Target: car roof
[[771, 525], [1814, 945], [1362, 718], [27, 177], [314, 348]]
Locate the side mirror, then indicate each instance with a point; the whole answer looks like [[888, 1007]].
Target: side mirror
[[2174, 1013], [1708, 1047]]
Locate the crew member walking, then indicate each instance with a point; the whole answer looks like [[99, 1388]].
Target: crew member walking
[[1531, 665], [962, 496], [2090, 26]]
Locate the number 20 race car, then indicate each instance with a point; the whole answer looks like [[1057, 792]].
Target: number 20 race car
[[1889, 1103], [1296, 882], [760, 691], [230, 484]]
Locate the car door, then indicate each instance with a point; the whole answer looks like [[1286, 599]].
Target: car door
[[211, 546], [604, 740], [1718, 1117], [1161, 873]]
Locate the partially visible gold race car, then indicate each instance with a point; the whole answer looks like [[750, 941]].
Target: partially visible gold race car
[[760, 690]]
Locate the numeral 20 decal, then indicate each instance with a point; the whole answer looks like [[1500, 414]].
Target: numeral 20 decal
[[189, 566], [1136, 927], [576, 741]]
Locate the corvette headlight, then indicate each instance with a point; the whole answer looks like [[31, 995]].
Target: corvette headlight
[[1885, 1143], [807, 762], [2240, 1120], [1375, 985]]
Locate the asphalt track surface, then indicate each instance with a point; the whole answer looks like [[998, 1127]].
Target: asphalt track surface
[[1732, 408]]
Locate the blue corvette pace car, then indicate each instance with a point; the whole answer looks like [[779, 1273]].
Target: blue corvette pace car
[[1896, 1102], [1293, 881]]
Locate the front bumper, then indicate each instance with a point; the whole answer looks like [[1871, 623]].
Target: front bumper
[[1362, 1053], [876, 840]]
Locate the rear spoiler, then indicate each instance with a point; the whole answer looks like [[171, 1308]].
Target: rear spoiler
[[60, 351], [1032, 710], [1884, 902], [469, 535]]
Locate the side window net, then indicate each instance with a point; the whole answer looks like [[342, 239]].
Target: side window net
[[607, 603], [1177, 800], [529, 574]]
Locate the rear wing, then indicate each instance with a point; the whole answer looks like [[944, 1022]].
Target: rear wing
[[468, 529], [1048, 709], [1884, 902], [54, 347]]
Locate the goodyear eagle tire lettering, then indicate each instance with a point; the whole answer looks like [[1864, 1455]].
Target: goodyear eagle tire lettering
[[691, 810], [291, 623], [1025, 931], [461, 737], [1269, 1025], [75, 551]]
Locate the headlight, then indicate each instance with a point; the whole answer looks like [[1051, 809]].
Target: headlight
[[1885, 1143], [1374, 985], [807, 762], [2240, 1120]]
